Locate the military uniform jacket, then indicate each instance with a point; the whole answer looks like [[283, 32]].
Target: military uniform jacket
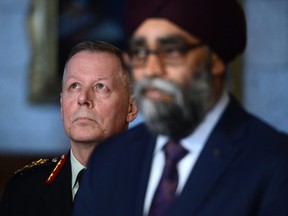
[[42, 188]]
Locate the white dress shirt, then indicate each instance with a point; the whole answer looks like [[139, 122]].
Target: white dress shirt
[[76, 167], [194, 143]]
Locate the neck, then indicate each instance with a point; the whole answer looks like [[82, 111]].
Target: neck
[[82, 151]]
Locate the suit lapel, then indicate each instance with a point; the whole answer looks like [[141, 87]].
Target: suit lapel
[[145, 148], [132, 172], [220, 149], [149, 142]]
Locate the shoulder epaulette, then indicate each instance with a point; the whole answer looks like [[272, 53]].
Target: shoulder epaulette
[[56, 169], [32, 165]]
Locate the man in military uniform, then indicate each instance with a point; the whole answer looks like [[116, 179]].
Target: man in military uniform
[[96, 103]]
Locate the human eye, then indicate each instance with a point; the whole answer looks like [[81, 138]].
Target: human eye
[[171, 51], [101, 86], [138, 53], [74, 86]]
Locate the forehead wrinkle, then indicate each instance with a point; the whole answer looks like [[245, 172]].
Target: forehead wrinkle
[[80, 77]]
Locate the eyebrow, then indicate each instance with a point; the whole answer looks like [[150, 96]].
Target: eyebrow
[[169, 39], [172, 39], [137, 41]]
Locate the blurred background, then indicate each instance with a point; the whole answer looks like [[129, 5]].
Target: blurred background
[[35, 36]]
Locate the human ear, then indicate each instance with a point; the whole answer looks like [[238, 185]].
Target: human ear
[[217, 65], [133, 109], [126, 58]]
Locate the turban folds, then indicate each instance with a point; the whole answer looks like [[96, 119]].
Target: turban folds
[[218, 23]]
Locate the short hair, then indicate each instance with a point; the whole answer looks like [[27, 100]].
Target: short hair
[[102, 47]]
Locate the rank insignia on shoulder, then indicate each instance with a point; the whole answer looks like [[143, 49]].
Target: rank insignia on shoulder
[[56, 169], [32, 165]]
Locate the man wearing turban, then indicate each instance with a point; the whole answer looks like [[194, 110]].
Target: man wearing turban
[[198, 152]]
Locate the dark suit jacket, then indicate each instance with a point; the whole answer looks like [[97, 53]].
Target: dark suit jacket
[[27, 194], [242, 171]]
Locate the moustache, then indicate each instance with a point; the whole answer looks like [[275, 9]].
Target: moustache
[[83, 114], [162, 85]]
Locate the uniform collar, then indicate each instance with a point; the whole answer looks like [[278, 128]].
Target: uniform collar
[[76, 167]]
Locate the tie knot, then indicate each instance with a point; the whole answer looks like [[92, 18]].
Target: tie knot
[[174, 151], [79, 176]]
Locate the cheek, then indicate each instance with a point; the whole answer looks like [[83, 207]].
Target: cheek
[[67, 108], [113, 111], [179, 75], [137, 74], [65, 114], [185, 72]]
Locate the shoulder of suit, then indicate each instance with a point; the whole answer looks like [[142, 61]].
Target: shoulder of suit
[[54, 164]]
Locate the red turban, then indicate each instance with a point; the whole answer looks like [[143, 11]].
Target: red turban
[[218, 23]]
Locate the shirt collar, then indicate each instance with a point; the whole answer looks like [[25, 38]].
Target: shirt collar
[[76, 167], [199, 136]]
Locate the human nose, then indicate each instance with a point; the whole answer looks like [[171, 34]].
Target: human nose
[[154, 65], [86, 98]]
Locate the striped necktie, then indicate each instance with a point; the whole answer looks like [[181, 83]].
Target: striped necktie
[[166, 190]]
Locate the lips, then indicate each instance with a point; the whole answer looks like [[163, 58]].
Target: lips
[[83, 116], [83, 119]]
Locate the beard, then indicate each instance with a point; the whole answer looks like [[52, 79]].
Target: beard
[[178, 117]]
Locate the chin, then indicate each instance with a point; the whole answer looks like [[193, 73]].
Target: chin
[[84, 138]]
